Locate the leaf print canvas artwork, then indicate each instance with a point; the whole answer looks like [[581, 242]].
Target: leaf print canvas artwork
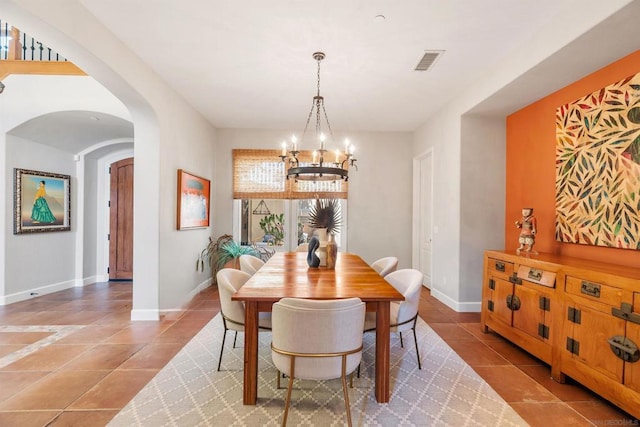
[[598, 167]]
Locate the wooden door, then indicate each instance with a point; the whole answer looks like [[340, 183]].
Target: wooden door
[[121, 221]]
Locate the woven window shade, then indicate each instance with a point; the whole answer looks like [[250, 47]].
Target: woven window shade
[[258, 174], [261, 174]]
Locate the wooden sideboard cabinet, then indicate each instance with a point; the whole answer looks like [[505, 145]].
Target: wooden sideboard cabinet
[[581, 317]]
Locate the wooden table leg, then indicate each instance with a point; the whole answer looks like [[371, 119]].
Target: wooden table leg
[[382, 352], [250, 385]]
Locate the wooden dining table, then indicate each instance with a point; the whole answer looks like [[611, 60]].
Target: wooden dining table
[[286, 274]]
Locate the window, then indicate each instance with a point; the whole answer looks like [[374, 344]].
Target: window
[[262, 221], [270, 209], [290, 215]]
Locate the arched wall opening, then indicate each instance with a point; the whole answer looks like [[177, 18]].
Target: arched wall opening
[[56, 25], [169, 135]]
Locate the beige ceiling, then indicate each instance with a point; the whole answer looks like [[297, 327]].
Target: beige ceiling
[[248, 64]]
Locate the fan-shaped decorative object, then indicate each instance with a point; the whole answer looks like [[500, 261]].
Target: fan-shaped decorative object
[[326, 213]]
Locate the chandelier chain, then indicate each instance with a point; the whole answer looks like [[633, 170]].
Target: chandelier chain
[[304, 132], [318, 86], [327, 119]]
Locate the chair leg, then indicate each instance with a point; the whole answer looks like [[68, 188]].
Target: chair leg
[[288, 398], [401, 343], [344, 389], [224, 336], [234, 339], [358, 374], [415, 339], [278, 380]]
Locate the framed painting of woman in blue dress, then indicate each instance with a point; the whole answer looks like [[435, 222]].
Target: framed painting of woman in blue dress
[[41, 201]]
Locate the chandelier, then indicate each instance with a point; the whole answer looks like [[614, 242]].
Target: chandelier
[[320, 168]]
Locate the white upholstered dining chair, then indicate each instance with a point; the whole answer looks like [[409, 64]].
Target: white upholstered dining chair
[[317, 340], [303, 247], [385, 265], [229, 281], [403, 314], [250, 264]]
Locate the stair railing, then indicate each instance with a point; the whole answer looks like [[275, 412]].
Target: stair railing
[[18, 46]]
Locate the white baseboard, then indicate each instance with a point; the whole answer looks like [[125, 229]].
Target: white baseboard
[[36, 292], [102, 278], [87, 281], [203, 285], [139, 315], [190, 296], [460, 307]]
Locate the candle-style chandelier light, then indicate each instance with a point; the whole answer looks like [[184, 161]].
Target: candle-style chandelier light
[[320, 168]]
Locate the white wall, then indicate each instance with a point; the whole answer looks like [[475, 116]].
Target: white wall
[[37, 262], [191, 149], [482, 202], [379, 207], [89, 242], [442, 134]]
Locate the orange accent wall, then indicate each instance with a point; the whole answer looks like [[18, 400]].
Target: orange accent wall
[[530, 173]]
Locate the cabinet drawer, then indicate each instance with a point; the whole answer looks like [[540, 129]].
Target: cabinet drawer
[[499, 266], [538, 276], [598, 292]]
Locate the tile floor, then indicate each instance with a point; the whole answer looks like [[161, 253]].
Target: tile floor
[[83, 377]]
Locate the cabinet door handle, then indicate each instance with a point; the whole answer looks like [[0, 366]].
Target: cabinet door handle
[[500, 266], [624, 348], [513, 302]]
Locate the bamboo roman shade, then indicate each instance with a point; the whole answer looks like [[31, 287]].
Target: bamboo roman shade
[[261, 174]]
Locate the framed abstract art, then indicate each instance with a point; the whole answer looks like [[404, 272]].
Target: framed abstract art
[[193, 201], [598, 167]]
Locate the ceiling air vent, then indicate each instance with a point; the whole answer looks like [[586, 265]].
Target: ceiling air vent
[[428, 59]]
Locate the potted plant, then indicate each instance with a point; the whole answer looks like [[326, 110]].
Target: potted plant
[[222, 252], [229, 254], [273, 227]]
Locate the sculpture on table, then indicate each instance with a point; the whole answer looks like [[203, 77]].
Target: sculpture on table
[[528, 230], [325, 218], [312, 259]]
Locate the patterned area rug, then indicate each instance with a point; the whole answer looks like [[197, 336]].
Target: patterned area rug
[[190, 392]]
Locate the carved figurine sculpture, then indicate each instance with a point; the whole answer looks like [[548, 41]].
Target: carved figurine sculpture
[[527, 226]]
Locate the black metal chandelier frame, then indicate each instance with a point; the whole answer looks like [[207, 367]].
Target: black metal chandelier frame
[[321, 170]]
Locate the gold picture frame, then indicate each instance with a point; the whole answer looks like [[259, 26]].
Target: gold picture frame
[[41, 202], [193, 201]]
